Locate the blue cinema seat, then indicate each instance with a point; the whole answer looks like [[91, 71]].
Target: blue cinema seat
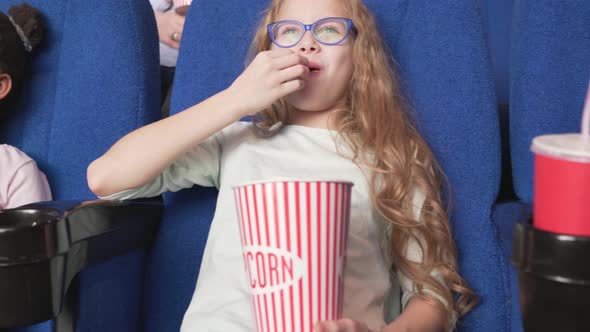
[[444, 65], [550, 71], [549, 75], [94, 79], [498, 15]]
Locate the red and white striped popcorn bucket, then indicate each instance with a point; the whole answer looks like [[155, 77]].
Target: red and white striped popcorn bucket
[[294, 235], [182, 6]]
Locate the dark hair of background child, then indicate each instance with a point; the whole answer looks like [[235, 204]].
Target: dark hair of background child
[[13, 55]]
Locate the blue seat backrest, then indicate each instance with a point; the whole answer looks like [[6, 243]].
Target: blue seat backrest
[[444, 65], [497, 16], [94, 79], [550, 70]]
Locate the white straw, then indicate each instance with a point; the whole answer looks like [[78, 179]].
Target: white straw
[[586, 117]]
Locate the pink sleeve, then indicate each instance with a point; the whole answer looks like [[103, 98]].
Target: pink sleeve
[[28, 185]]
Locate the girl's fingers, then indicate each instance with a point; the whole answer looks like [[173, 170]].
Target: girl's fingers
[[329, 326], [276, 53], [290, 87], [289, 60], [264, 83], [291, 73]]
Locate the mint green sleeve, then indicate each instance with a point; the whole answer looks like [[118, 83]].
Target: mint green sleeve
[[199, 166]]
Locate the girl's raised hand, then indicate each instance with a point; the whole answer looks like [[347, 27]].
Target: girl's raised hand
[[343, 325], [271, 75]]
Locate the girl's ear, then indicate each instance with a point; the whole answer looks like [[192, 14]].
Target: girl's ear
[[5, 85]]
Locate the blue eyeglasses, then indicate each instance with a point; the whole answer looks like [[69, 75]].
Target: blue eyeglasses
[[327, 31]]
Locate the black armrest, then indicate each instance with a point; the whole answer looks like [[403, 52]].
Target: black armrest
[[44, 245]]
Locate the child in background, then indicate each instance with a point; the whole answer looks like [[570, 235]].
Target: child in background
[[322, 85], [21, 182], [170, 26]]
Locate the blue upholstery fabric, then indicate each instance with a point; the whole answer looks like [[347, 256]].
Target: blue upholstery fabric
[[549, 72], [95, 78], [444, 64], [550, 68], [505, 216], [498, 22]]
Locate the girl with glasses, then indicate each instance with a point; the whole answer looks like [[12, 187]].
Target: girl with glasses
[[327, 105]]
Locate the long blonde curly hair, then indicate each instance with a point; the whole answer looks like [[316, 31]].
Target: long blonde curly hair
[[377, 128]]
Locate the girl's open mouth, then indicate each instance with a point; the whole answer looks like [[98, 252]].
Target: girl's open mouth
[[314, 68]]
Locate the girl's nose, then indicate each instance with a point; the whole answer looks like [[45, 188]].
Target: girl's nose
[[308, 44]]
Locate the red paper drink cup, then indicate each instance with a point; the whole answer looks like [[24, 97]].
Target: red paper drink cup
[[182, 6], [562, 184], [294, 236]]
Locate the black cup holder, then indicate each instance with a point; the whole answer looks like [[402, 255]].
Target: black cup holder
[[43, 247], [26, 217], [554, 279], [30, 234]]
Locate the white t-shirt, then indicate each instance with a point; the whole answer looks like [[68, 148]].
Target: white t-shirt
[[221, 301]]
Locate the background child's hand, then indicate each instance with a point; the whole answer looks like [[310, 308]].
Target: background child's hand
[[170, 26], [343, 325], [272, 75]]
